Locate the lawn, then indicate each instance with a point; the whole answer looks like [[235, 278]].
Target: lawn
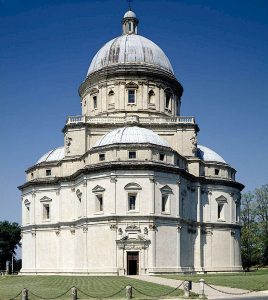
[[102, 286], [255, 280]]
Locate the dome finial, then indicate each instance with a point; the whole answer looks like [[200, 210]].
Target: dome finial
[[130, 22], [129, 4]]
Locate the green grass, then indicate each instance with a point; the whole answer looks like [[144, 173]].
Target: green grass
[[102, 286], [255, 280]]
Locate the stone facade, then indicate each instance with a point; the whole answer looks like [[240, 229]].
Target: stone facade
[[132, 205]]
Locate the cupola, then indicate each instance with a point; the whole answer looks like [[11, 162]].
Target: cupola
[[130, 23]]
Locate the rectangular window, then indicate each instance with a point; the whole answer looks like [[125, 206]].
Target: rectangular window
[[131, 202], [164, 203], [132, 155], [48, 172], [99, 203], [131, 96], [101, 157], [217, 171], [46, 212], [220, 211], [162, 156], [95, 103]]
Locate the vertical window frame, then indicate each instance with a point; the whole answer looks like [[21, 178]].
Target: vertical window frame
[[134, 100], [27, 218], [131, 205], [95, 102], [165, 203], [46, 212], [46, 208], [99, 203], [221, 208]]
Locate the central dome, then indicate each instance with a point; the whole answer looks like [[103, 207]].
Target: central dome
[[130, 48]]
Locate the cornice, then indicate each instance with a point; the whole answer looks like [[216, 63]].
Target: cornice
[[156, 219], [130, 70], [133, 165], [111, 126]]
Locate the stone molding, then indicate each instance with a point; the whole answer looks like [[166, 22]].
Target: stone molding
[[134, 165]]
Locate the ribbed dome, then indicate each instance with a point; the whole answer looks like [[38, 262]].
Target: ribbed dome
[[53, 155], [207, 154], [131, 135], [130, 48]]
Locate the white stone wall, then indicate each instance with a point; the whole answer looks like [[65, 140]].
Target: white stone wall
[[112, 105], [76, 237]]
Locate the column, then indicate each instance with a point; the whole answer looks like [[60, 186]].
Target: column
[[179, 246], [152, 257], [178, 198], [85, 198], [33, 234], [198, 242], [113, 179], [152, 202]]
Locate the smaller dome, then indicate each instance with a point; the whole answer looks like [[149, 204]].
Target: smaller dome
[[53, 155], [130, 14], [207, 154], [131, 135]]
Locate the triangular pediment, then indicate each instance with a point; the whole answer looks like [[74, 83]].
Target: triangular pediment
[[221, 199], [166, 189], [132, 186], [98, 189], [45, 199]]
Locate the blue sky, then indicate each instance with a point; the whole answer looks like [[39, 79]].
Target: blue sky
[[218, 50]]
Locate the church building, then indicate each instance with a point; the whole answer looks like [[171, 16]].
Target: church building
[[130, 191]]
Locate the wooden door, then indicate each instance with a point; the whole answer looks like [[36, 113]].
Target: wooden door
[[133, 263]]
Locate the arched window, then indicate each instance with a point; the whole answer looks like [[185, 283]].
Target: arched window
[[168, 98], [166, 192], [151, 95], [111, 96], [79, 203], [27, 211], [95, 102]]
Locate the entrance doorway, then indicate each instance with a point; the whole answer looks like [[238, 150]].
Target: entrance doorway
[[132, 263]]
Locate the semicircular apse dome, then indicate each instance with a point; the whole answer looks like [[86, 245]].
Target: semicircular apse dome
[[208, 154], [131, 135], [53, 155]]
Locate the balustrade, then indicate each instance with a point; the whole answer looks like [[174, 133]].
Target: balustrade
[[121, 120]]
